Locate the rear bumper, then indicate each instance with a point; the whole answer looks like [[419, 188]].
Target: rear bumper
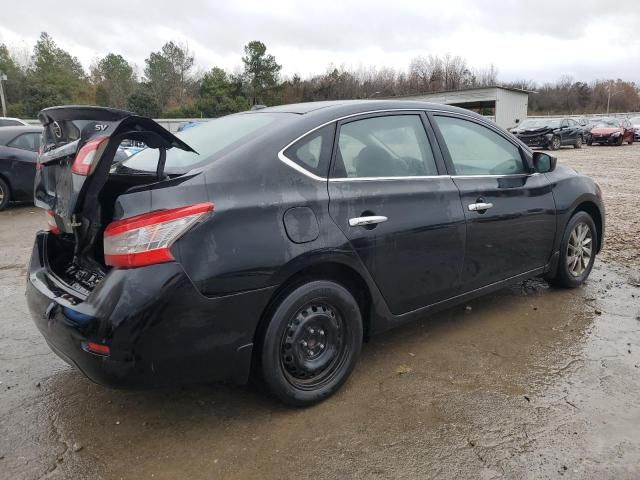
[[159, 327]]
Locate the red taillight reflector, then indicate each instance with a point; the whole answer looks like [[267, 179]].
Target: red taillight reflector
[[51, 222], [97, 348], [84, 162], [145, 239]]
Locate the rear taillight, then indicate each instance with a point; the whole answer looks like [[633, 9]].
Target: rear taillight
[[85, 161], [145, 239], [51, 222]]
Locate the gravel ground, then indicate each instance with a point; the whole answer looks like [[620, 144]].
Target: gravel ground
[[617, 171], [530, 382]]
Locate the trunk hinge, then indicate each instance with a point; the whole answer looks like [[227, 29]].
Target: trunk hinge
[[161, 162]]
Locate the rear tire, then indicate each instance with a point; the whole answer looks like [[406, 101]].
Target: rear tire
[[577, 252], [5, 194], [578, 143], [312, 343]]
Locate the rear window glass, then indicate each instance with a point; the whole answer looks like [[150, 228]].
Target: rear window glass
[[208, 139], [26, 141], [8, 122]]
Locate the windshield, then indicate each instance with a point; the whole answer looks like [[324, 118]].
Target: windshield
[[207, 139], [532, 123], [606, 122]]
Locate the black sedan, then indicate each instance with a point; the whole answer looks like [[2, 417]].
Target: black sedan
[[18, 153], [274, 241], [551, 133]]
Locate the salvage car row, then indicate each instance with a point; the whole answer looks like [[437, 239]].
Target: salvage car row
[[553, 133]]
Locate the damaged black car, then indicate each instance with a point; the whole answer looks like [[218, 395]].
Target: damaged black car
[[271, 243], [550, 133]]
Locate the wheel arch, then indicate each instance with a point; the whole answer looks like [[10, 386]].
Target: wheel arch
[[8, 183], [594, 212], [334, 270], [4, 177]]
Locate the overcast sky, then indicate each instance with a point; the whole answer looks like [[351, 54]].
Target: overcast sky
[[540, 40]]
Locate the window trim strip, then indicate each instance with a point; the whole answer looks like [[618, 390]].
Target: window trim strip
[[287, 161]]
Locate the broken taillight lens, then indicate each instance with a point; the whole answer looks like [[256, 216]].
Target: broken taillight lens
[[51, 222], [85, 161], [145, 239]]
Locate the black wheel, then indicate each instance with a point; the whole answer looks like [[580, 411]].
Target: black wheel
[[555, 143], [5, 194], [619, 141], [312, 343], [577, 251], [578, 143], [630, 142], [589, 142]]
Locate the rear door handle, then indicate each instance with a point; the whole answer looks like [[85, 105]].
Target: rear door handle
[[371, 220], [476, 207]]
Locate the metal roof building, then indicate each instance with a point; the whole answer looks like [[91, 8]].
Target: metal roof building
[[509, 105]]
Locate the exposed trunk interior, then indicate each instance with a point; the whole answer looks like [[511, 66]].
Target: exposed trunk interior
[[76, 181]]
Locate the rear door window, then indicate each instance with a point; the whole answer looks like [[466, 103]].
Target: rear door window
[[26, 141], [386, 146], [313, 152], [477, 150]]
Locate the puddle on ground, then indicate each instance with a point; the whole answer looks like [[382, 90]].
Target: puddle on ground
[[529, 382]]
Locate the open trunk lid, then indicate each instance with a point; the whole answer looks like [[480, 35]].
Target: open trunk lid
[[79, 147]]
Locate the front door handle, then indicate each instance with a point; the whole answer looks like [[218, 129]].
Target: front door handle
[[481, 206], [371, 220]]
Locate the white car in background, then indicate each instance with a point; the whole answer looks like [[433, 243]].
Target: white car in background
[[12, 122]]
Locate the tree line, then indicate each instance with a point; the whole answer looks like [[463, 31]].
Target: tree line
[[169, 85]]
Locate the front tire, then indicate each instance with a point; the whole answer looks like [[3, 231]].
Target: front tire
[[312, 343], [555, 143], [5, 194], [620, 141], [589, 142], [577, 251]]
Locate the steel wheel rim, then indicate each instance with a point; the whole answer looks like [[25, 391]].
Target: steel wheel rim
[[556, 142], [313, 345], [1, 194], [579, 141], [579, 249]]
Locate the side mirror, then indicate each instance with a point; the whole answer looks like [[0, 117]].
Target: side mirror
[[543, 162]]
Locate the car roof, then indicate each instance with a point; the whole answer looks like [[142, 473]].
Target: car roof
[[9, 133], [357, 106], [326, 111]]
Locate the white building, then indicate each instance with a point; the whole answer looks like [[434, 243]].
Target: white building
[[509, 104]]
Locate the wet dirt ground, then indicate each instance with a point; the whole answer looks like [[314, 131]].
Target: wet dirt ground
[[530, 382]]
